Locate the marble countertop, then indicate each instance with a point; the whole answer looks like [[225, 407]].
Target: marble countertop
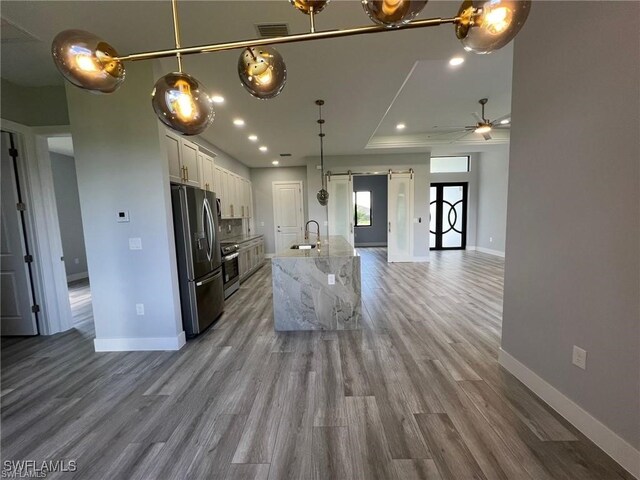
[[240, 239], [333, 246]]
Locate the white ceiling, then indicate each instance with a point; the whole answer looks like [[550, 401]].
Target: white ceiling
[[61, 145], [369, 83]]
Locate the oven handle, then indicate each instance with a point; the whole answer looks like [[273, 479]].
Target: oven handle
[[230, 257]]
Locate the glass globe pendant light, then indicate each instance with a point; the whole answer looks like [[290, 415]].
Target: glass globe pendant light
[[488, 25], [87, 61], [309, 6], [262, 72], [178, 99], [393, 13]]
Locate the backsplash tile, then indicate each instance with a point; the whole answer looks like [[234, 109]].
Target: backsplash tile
[[230, 228]]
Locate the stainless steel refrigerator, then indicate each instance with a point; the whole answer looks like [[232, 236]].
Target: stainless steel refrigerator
[[195, 219]]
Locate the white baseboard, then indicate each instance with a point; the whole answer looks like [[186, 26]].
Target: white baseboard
[[139, 344], [497, 253], [77, 276], [616, 447]]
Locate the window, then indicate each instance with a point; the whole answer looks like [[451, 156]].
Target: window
[[362, 202], [449, 164]]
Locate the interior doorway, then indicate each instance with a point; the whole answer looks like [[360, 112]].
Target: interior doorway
[[448, 216], [288, 217], [65, 186], [19, 310]]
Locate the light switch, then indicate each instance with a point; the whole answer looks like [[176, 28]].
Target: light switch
[[135, 243], [331, 279], [139, 308], [123, 216]]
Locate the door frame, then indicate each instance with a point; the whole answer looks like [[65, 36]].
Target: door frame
[[273, 200], [465, 208], [43, 230]]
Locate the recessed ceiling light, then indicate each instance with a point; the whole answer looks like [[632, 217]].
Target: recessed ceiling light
[[253, 138], [275, 162], [217, 99], [238, 122], [455, 61], [263, 148], [400, 126], [505, 121]]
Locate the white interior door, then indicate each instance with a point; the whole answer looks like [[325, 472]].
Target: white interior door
[[400, 218], [287, 214], [16, 316], [341, 212]]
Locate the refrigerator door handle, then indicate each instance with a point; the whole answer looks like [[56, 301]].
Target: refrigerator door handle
[[205, 221], [210, 279], [210, 238]]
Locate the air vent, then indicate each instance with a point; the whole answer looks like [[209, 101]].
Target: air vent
[[12, 33], [270, 30], [285, 154]]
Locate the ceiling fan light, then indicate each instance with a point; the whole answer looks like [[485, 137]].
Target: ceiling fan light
[[393, 13], [180, 102], [87, 61], [487, 25], [483, 128], [262, 72]]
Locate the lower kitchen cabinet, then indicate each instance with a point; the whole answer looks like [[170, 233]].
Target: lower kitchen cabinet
[[251, 257]]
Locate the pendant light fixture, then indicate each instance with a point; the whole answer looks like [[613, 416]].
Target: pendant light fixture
[[262, 72], [393, 13], [179, 100], [322, 195], [87, 61]]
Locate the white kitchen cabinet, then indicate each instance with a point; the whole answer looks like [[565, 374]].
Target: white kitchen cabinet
[[251, 257], [184, 164], [217, 181], [206, 167]]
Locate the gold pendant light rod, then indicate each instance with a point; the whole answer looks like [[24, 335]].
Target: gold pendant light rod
[[312, 20], [176, 32], [300, 37]]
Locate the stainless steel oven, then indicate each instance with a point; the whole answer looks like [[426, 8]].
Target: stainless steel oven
[[230, 268]]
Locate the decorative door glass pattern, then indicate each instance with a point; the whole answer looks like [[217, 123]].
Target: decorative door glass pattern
[[448, 216]]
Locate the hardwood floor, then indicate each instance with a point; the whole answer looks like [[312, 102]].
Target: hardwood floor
[[80, 299], [417, 394]]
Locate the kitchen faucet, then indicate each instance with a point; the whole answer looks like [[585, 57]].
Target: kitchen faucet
[[306, 231]]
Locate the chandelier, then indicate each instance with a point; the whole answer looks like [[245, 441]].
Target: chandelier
[[180, 101]]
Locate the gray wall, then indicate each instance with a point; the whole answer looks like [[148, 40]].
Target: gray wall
[[65, 184], [493, 179], [572, 273], [33, 106], [121, 164], [376, 234], [379, 162], [262, 183]]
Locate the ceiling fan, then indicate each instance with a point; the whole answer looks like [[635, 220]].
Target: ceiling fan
[[483, 125]]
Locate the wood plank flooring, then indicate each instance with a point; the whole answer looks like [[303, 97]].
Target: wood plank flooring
[[417, 394]]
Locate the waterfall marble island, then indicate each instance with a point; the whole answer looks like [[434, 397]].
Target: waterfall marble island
[[317, 288]]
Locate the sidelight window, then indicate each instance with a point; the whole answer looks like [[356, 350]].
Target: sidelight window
[[362, 204]]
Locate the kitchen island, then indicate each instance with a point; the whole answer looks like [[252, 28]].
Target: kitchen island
[[306, 297]]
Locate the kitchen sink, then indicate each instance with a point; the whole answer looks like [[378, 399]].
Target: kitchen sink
[[303, 246]]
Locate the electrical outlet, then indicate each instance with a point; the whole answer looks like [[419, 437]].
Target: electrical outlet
[[579, 357], [140, 308], [262, 224], [135, 244], [490, 239], [326, 222], [76, 261], [331, 279]]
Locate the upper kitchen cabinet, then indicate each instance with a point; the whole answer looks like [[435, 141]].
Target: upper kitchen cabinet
[[234, 193], [184, 165], [207, 167]]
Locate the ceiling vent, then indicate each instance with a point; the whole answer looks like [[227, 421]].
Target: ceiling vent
[[270, 30], [12, 33]]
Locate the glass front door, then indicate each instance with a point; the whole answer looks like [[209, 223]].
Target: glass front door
[[448, 216]]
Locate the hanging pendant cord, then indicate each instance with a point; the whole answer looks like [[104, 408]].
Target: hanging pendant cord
[[321, 135]]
